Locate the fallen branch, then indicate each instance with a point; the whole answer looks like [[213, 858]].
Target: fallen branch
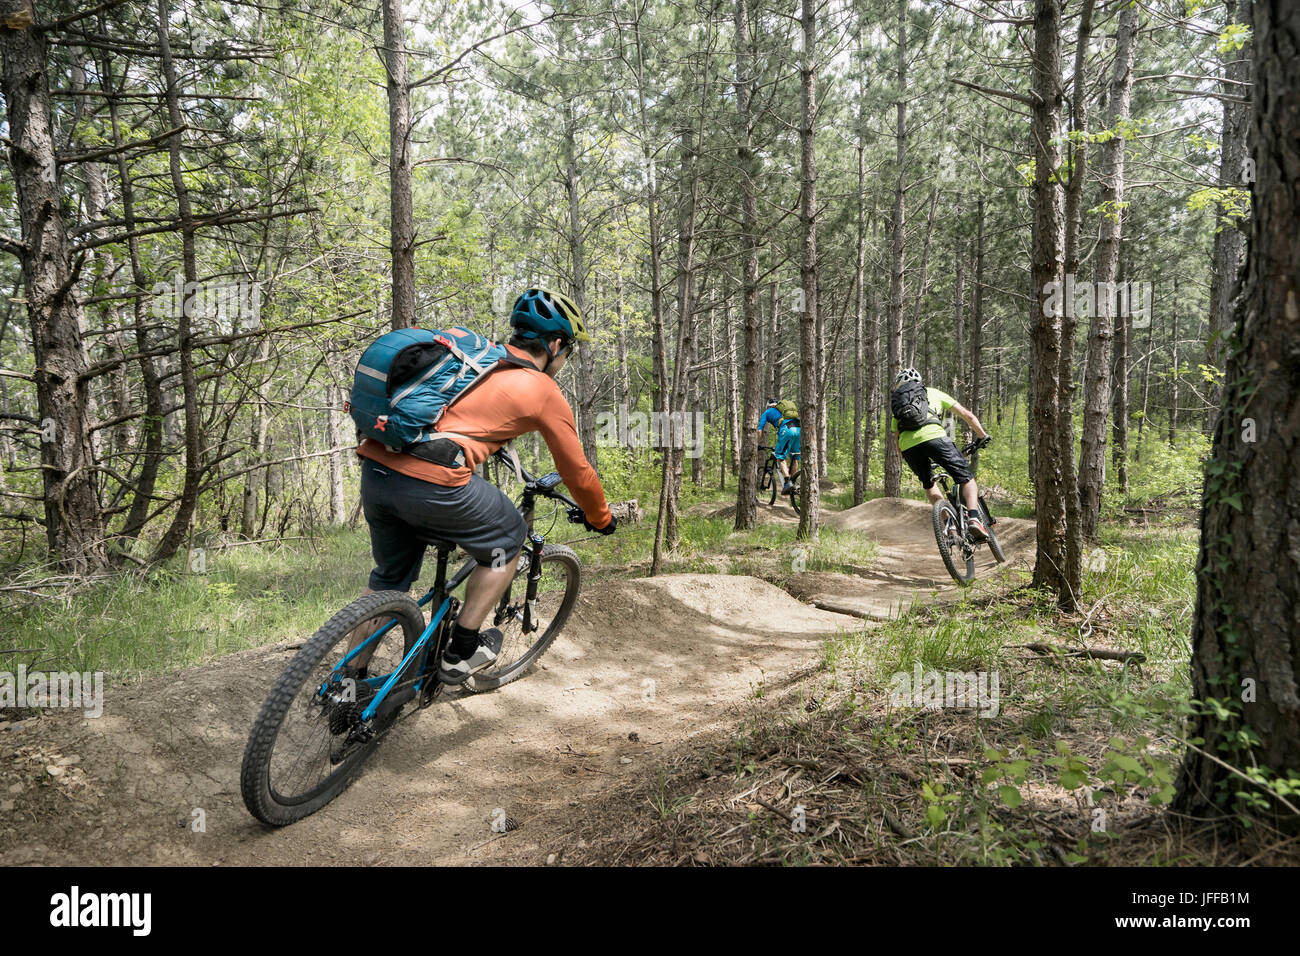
[[1095, 653], [777, 810]]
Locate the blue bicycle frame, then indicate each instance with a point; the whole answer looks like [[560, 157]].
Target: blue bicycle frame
[[384, 683], [441, 592]]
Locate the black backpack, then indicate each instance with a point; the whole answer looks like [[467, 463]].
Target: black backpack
[[911, 407]]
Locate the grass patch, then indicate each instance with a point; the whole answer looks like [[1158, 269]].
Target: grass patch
[[1073, 765], [134, 624]]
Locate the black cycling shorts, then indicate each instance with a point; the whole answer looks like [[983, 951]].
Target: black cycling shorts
[[941, 450], [405, 514]]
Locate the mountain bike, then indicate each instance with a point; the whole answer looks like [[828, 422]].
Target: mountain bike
[[331, 706], [951, 529], [770, 480]]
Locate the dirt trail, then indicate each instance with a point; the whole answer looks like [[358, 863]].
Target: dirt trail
[[126, 788], [908, 567]]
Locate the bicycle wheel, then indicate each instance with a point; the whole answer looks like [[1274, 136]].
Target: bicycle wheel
[[794, 494], [557, 592], [994, 545], [946, 533], [302, 751]]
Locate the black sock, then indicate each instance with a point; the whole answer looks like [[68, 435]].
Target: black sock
[[464, 642]]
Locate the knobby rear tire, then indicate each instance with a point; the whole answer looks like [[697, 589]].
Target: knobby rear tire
[[995, 546], [950, 561], [261, 796]]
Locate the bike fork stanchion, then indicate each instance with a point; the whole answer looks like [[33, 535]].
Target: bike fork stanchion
[[534, 575]]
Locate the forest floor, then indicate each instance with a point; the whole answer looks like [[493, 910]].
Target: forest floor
[[677, 719]]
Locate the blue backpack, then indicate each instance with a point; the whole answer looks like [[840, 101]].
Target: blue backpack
[[407, 378]]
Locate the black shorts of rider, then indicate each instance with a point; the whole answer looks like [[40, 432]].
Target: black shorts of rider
[[942, 450], [405, 514]]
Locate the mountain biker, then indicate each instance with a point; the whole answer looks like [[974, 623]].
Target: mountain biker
[[922, 446], [407, 499], [789, 441]]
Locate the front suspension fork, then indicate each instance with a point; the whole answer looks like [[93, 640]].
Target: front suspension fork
[[528, 620]]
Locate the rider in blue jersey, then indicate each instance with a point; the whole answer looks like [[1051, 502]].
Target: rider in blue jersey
[[789, 442]]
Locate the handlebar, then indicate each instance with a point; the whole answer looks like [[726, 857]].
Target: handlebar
[[976, 445], [545, 486]]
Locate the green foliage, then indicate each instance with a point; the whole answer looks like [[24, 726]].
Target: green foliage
[[1232, 203], [1233, 38]]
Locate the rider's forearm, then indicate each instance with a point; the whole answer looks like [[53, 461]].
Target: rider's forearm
[[561, 436]]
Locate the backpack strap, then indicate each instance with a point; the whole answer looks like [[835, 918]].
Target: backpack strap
[[506, 360]]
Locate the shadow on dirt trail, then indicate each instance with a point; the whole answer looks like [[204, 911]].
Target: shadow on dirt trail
[[644, 665]]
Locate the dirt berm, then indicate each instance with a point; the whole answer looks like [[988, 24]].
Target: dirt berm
[[907, 568]]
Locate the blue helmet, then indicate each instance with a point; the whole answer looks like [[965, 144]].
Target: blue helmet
[[539, 314]]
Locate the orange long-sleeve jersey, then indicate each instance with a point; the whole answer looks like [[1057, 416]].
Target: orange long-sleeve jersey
[[510, 402]]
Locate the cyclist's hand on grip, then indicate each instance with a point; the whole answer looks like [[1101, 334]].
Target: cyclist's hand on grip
[[608, 529]]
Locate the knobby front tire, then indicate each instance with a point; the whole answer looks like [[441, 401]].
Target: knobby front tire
[[557, 593]]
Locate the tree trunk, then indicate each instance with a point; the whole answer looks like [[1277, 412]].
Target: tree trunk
[[958, 313], [893, 462], [1245, 654], [152, 425], [746, 485], [1052, 480], [1076, 527], [189, 500], [977, 324], [333, 400], [400, 166], [1119, 411], [1173, 368], [670, 487], [586, 371], [74, 524], [775, 358], [623, 387], [872, 400], [1101, 326], [859, 354], [1229, 240], [810, 487]]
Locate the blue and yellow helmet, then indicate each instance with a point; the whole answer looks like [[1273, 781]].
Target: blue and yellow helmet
[[544, 315]]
